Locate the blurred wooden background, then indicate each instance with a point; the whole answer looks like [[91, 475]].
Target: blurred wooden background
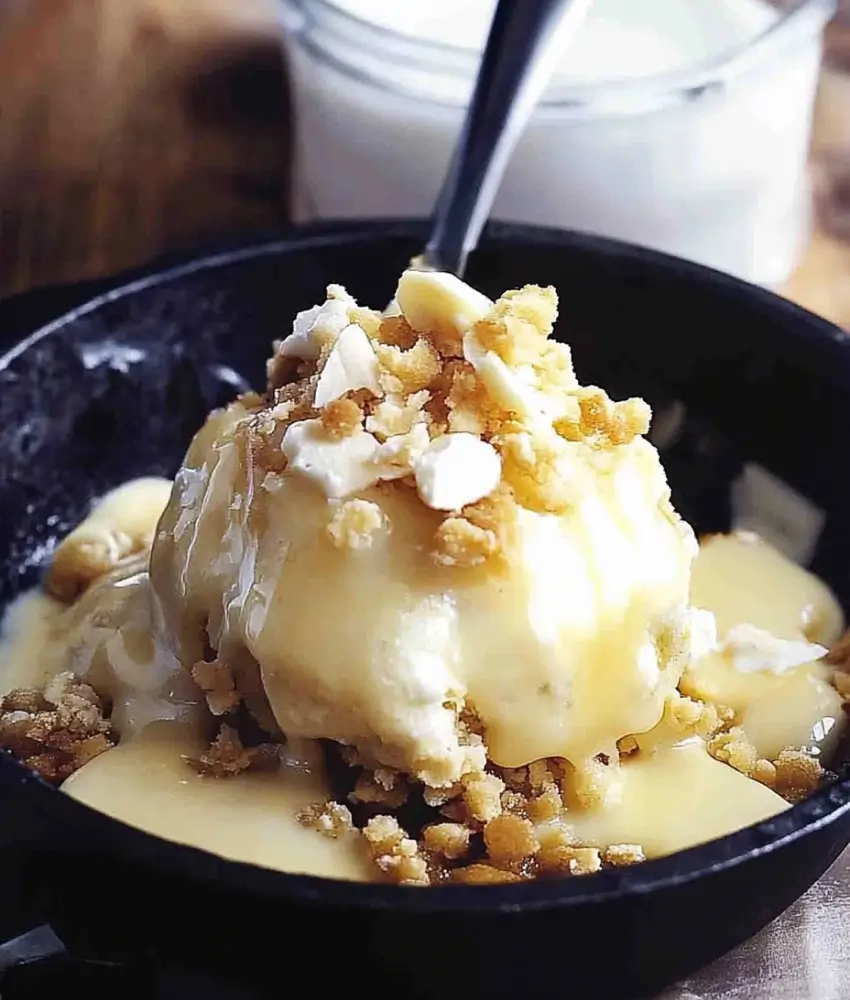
[[129, 128]]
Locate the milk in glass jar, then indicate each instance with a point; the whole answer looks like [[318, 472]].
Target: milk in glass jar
[[681, 125]]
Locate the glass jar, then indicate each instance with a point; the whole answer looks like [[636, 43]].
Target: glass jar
[[708, 163]]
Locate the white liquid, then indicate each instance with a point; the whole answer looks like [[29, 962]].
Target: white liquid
[[719, 179]]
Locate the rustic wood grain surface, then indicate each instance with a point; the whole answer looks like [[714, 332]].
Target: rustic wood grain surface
[[129, 128]]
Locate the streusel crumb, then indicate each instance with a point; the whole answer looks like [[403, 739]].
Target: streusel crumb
[[573, 861], [408, 371], [56, 732], [215, 679], [517, 323], [798, 775], [226, 756], [449, 840], [396, 855], [459, 542], [330, 818], [396, 415], [735, 749], [341, 418], [510, 840], [355, 523], [480, 874], [482, 796], [622, 855]]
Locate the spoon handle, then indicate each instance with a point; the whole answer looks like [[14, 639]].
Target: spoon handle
[[525, 41]]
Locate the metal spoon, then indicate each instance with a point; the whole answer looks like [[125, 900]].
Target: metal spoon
[[525, 41]]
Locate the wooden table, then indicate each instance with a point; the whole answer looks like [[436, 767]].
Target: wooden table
[[133, 127]]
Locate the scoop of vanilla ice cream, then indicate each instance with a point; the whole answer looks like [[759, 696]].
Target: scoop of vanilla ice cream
[[428, 532]]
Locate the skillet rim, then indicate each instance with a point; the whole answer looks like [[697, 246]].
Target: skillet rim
[[130, 844]]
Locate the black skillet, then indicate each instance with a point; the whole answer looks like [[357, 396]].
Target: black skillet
[[116, 388]]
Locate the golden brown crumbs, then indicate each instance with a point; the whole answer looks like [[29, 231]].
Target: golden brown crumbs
[[517, 323], [587, 785], [226, 756], [341, 418], [330, 818], [530, 466], [480, 874], [685, 715], [546, 806], [510, 840], [482, 796], [396, 415], [627, 745], [621, 855], [397, 332], [382, 787], [56, 732], [543, 774], [798, 775], [85, 555], [555, 834], [794, 774], [564, 860], [395, 854], [734, 748], [215, 679], [408, 371], [514, 802], [603, 423], [354, 524], [449, 840], [468, 405], [436, 797], [764, 772], [458, 542]]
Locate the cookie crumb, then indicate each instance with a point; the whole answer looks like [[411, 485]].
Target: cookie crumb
[[510, 840], [621, 855], [341, 418], [329, 818], [449, 840], [355, 523], [57, 731], [226, 756]]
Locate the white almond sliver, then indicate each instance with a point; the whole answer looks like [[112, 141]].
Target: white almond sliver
[[340, 466], [456, 470], [433, 300], [351, 365], [753, 650]]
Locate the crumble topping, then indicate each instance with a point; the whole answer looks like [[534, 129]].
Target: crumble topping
[[354, 524], [226, 756], [493, 403], [333, 819], [57, 731], [795, 774]]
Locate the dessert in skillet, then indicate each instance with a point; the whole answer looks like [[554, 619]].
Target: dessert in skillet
[[423, 612]]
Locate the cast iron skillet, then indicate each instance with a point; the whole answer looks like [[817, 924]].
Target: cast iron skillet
[[116, 388]]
